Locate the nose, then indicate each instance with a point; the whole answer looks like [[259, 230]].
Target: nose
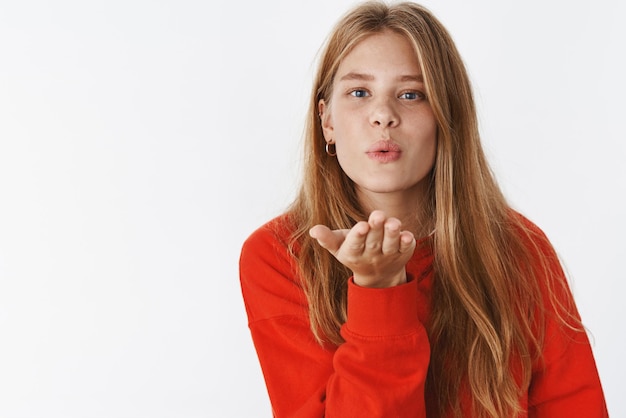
[[384, 115]]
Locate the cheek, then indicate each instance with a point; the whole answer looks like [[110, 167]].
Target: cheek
[[344, 155], [432, 145], [433, 153], [426, 146], [429, 137], [346, 119]]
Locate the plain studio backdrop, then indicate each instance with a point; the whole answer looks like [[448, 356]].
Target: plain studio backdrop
[[142, 141]]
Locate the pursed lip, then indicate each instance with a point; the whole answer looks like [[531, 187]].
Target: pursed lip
[[384, 151], [384, 145]]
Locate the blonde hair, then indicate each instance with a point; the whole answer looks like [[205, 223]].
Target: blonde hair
[[487, 308]]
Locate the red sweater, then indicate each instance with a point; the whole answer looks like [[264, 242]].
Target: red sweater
[[380, 370]]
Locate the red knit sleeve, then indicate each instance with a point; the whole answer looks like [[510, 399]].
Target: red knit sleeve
[[565, 382], [379, 371]]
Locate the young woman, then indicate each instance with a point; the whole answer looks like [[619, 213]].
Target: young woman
[[400, 283]]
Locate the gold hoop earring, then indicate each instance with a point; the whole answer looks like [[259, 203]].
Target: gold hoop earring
[[328, 150]]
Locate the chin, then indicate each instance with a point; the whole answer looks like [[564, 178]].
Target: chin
[[387, 186]]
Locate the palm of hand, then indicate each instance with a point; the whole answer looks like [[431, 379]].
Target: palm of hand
[[376, 251]]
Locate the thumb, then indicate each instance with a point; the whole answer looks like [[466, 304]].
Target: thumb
[[330, 240]]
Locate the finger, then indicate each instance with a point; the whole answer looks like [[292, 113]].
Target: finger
[[391, 239], [374, 239], [327, 238], [355, 239], [407, 242]]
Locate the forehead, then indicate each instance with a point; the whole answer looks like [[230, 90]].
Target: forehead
[[381, 53]]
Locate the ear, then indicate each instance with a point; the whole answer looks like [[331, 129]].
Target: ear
[[326, 121]]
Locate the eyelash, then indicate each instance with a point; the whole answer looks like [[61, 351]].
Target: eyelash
[[355, 91], [418, 95], [360, 93]]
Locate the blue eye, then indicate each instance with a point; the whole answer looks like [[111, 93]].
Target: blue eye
[[359, 93], [412, 95]]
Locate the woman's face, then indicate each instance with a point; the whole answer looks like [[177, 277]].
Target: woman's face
[[379, 118]]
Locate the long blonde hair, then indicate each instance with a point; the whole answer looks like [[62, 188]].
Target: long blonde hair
[[487, 307]]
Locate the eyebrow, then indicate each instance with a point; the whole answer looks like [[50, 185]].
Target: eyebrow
[[368, 77]]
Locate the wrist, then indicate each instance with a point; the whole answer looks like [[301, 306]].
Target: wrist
[[395, 279]]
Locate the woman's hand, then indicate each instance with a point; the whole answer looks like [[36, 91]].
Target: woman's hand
[[376, 251]]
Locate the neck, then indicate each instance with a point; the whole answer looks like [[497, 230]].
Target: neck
[[409, 208]]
